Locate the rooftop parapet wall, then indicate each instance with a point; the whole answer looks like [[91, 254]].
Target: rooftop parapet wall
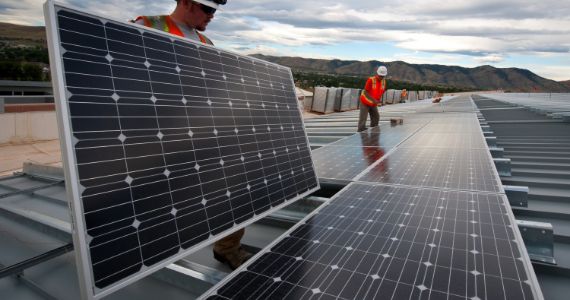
[[26, 127]]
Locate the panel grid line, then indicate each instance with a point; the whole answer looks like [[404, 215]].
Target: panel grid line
[[167, 143]]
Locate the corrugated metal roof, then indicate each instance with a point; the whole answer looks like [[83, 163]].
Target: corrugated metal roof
[[539, 148], [34, 215]]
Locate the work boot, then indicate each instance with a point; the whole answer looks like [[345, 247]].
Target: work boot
[[233, 259], [244, 255]]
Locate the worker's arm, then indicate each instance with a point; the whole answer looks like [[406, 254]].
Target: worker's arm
[[367, 95]]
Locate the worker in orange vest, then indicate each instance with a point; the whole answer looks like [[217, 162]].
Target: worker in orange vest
[[371, 98], [404, 96], [189, 19]]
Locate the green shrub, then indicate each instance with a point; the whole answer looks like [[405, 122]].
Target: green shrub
[[22, 71]]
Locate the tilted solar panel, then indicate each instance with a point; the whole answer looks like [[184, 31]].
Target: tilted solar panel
[[459, 169], [393, 242], [432, 223], [168, 144], [346, 158]]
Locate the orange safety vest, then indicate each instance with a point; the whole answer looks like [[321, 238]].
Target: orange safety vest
[[165, 23], [374, 90]]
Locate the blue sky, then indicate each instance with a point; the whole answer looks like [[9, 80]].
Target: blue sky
[[534, 35]]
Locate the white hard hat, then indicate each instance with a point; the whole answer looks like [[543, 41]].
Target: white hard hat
[[212, 3], [382, 71]]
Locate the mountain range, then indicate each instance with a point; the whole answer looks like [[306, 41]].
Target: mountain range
[[481, 78], [12, 35]]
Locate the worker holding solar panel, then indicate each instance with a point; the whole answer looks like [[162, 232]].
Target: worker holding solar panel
[[189, 19], [371, 98]]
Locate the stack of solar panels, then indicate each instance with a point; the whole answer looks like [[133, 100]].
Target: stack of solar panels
[[355, 99], [324, 100], [427, 220], [412, 96], [421, 95], [331, 99], [168, 144], [388, 96], [347, 100], [308, 103]]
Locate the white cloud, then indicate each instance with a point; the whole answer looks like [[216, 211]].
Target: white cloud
[[477, 28], [485, 30], [446, 59], [23, 12], [288, 35], [259, 49], [489, 59]]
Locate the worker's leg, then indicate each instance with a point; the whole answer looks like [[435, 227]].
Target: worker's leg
[[230, 243], [362, 117], [374, 116], [228, 250]]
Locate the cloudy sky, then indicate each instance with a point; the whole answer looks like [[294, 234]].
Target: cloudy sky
[[528, 34]]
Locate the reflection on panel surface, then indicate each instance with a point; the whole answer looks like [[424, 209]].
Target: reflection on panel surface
[[345, 163], [348, 157], [387, 242], [426, 139], [460, 169]]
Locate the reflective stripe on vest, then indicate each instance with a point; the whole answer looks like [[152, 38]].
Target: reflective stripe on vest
[[369, 101], [165, 23], [367, 98], [374, 80]]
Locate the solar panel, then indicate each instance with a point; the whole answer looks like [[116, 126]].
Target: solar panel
[[168, 144], [385, 136], [393, 242], [425, 138], [449, 152], [459, 169], [343, 160]]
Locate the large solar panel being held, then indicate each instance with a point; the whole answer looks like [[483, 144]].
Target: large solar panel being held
[[393, 242], [168, 143]]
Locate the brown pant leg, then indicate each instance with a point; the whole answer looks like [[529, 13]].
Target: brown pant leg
[[362, 117], [229, 243], [374, 116]]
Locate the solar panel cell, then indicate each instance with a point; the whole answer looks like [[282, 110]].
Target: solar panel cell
[[172, 142], [394, 242]]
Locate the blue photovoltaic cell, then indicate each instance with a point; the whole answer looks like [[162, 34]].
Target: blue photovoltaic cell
[[345, 159], [389, 242], [433, 223], [459, 169], [173, 143]]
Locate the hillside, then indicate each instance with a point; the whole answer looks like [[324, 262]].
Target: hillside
[[479, 78], [566, 83], [12, 35]]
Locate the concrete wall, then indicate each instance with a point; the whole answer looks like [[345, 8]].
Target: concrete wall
[[28, 127]]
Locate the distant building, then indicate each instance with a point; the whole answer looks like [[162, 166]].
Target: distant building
[[302, 94]]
